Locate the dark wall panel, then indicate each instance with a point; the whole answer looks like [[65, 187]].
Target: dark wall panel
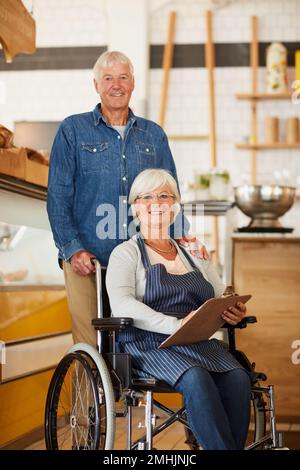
[[185, 55], [227, 54], [55, 58]]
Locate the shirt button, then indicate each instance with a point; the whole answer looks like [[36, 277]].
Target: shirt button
[[119, 137], [147, 150], [124, 178], [94, 150], [123, 156], [124, 225], [124, 201]]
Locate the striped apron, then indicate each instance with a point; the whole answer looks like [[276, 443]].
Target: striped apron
[[174, 295]]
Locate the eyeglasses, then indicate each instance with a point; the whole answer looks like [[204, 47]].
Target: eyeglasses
[[162, 197]]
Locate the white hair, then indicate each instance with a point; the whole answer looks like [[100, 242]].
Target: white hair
[[109, 58], [150, 179]]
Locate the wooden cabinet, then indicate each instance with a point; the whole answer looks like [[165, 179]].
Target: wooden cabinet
[[269, 269]]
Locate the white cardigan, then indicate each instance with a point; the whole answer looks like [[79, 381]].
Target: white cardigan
[[126, 282]]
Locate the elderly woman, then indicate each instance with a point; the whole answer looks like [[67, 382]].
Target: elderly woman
[[153, 280]]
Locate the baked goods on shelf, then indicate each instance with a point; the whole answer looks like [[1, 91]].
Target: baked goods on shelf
[[22, 163]]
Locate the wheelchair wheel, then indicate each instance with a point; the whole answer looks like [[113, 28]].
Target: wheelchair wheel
[[72, 406], [80, 404], [105, 391]]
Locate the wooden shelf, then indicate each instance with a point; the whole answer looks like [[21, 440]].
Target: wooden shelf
[[267, 146], [208, 207], [15, 185], [254, 96], [188, 137], [264, 96]]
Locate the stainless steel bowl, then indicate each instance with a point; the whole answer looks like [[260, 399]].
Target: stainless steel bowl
[[264, 203]]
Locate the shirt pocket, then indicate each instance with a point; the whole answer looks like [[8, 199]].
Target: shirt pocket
[[94, 157], [146, 155]]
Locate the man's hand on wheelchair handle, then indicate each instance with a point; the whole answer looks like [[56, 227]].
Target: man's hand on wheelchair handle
[[81, 263], [195, 246], [233, 315]]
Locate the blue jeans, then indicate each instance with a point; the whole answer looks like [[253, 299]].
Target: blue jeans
[[217, 406]]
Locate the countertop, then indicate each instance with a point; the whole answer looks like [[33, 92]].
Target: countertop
[[267, 237]]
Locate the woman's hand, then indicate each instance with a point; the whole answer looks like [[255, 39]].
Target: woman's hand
[[195, 246], [233, 315]]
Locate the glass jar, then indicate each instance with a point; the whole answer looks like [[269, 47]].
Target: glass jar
[[219, 185], [201, 186], [276, 63]]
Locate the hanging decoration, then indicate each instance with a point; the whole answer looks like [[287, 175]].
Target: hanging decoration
[[17, 29]]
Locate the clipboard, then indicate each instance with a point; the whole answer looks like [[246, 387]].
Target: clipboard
[[205, 322]]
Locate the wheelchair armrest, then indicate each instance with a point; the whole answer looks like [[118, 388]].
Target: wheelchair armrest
[[242, 324], [112, 323]]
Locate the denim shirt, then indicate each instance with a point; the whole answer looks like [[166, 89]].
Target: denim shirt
[[91, 171]]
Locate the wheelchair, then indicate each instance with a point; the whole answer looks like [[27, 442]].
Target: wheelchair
[[91, 388]]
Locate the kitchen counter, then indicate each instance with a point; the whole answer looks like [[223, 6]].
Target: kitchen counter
[[207, 207], [266, 237], [268, 267]]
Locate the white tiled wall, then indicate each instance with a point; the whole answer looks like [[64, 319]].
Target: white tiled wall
[[52, 95], [69, 22], [279, 19], [188, 107], [46, 95]]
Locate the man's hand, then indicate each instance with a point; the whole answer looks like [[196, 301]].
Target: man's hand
[[195, 246], [81, 263]]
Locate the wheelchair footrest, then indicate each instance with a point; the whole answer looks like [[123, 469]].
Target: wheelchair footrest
[[143, 382]]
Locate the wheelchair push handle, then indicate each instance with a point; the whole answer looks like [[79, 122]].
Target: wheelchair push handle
[[98, 274]]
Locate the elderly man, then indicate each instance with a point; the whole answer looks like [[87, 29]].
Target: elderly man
[[94, 159]]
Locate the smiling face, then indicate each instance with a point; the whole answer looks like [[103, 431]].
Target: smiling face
[[155, 210], [115, 86]]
